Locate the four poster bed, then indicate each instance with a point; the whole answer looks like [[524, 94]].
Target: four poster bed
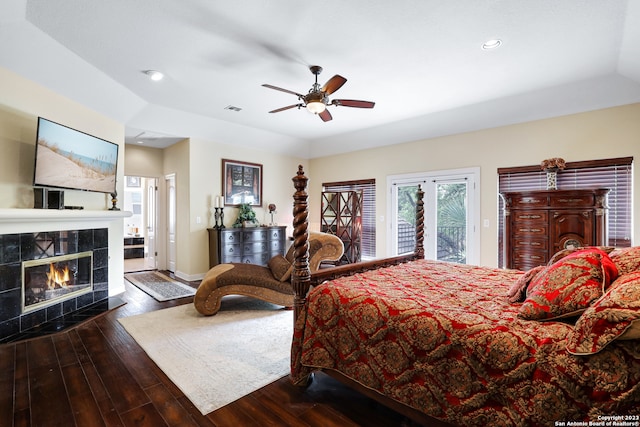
[[453, 344]]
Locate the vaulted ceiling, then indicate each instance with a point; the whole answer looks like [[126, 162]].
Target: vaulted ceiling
[[420, 61]]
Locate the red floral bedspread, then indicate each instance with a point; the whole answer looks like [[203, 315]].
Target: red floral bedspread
[[443, 339]]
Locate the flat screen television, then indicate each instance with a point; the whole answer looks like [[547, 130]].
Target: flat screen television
[[69, 159]]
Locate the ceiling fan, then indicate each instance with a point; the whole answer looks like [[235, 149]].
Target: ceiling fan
[[317, 100]]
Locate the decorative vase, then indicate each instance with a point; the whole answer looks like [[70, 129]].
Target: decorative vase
[[552, 179]]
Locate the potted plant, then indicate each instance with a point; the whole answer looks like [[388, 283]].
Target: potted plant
[[246, 216]]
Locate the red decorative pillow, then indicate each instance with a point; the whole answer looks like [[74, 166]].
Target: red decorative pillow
[[569, 286], [280, 268], [518, 291], [626, 259], [614, 316]]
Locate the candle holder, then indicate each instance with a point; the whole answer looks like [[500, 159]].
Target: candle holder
[[114, 200], [219, 215], [272, 210]]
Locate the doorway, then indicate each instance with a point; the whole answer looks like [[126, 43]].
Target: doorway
[[451, 212], [140, 229]]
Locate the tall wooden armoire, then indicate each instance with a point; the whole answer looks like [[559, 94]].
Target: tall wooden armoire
[[540, 223]]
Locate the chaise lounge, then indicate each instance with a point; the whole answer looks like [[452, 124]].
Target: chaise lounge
[[271, 284]]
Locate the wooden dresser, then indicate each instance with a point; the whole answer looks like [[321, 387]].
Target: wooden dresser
[[251, 245], [540, 223]]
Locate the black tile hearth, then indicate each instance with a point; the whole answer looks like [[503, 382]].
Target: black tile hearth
[[67, 321], [19, 250]]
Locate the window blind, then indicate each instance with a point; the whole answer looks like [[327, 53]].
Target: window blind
[[368, 188], [615, 174]]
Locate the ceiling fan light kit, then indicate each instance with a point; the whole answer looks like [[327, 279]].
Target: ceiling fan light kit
[[316, 107], [317, 100]]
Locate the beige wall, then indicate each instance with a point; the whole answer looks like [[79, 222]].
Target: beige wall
[[608, 133], [143, 161], [197, 165], [176, 161], [205, 165], [21, 102], [613, 132]]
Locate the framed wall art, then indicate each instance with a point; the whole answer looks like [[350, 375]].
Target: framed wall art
[[241, 183], [133, 181]]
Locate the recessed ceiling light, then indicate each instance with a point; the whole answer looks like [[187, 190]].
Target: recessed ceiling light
[[491, 44], [154, 75]]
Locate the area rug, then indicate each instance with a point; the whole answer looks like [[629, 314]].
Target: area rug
[[159, 286], [216, 360]]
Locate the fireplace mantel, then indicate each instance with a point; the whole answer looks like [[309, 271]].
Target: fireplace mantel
[[14, 221], [101, 231], [21, 220], [54, 215]]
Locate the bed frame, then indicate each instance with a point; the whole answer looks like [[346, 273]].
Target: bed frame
[[302, 280]]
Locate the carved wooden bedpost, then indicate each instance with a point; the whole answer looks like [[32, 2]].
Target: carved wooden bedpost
[[300, 276], [419, 250]]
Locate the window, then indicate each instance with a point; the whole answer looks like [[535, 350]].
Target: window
[[615, 174], [368, 188]]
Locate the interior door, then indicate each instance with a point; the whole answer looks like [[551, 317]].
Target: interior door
[[171, 222], [151, 256]]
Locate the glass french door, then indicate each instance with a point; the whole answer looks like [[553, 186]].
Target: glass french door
[[449, 216]]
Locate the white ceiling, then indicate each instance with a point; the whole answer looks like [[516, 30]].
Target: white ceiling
[[420, 61]]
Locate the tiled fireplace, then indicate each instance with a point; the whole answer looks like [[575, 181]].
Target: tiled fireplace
[[45, 275], [86, 245]]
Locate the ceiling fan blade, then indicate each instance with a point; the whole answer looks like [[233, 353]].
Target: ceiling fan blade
[[325, 116], [286, 108], [333, 84], [283, 90], [353, 103]]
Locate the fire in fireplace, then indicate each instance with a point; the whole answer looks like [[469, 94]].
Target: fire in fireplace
[[55, 279]]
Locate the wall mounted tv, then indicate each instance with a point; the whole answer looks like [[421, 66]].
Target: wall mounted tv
[[69, 159]]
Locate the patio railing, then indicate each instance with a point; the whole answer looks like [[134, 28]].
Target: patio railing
[[451, 242]]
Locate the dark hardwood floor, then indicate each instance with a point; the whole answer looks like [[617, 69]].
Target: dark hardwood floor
[[95, 374]]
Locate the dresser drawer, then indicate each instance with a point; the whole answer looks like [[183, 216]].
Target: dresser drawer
[[529, 201], [277, 245], [533, 215], [235, 258], [572, 200], [231, 250], [277, 234], [525, 265], [530, 229], [538, 243], [257, 235], [259, 259], [530, 257], [229, 237], [250, 248]]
